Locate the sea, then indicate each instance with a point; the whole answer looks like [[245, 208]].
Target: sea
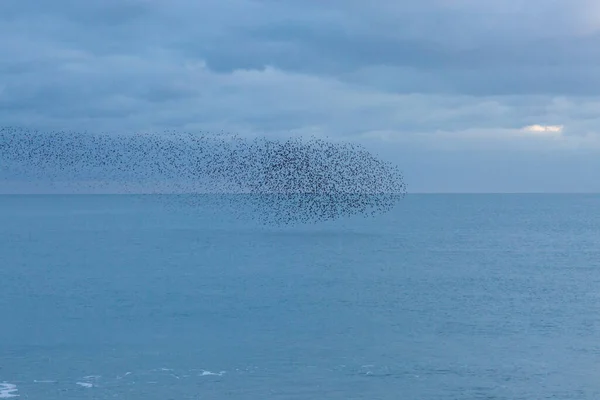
[[445, 297]]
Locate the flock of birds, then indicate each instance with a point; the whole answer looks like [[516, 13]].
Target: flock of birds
[[282, 181]]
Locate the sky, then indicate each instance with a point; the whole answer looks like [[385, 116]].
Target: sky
[[464, 95]]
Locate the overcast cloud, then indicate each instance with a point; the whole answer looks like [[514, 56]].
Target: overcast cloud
[[465, 95]]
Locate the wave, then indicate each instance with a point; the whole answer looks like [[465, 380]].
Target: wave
[[8, 390]]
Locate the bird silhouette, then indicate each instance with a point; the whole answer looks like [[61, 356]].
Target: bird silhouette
[[288, 181]]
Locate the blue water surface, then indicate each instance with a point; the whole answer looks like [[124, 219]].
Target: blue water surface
[[446, 297]]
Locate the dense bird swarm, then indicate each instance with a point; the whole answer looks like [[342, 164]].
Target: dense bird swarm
[[282, 181]]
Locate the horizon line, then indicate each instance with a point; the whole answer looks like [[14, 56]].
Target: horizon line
[[234, 193]]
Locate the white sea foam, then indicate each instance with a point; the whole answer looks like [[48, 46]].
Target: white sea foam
[[88, 381], [8, 390], [209, 373], [43, 381], [124, 375]]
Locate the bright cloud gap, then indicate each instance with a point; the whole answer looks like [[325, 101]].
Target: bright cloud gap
[[544, 129]]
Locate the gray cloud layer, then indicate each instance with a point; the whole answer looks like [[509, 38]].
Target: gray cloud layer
[[438, 78]]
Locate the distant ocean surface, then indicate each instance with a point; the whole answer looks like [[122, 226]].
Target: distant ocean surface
[[446, 297]]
